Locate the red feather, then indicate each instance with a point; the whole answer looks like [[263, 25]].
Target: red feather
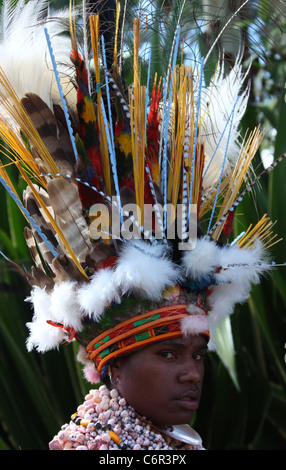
[[228, 226], [153, 133], [89, 165]]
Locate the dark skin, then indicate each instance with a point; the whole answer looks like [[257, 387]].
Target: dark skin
[[163, 381]]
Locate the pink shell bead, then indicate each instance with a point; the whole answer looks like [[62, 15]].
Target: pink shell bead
[[89, 404], [62, 436], [104, 447], [55, 445]]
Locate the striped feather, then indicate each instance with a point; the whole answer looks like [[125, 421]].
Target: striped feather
[[53, 134], [64, 198]]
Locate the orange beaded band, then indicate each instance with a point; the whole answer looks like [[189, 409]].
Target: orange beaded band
[[153, 326]]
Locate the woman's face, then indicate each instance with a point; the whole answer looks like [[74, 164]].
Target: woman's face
[[163, 381]]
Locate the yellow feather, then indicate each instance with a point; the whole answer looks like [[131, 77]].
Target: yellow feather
[[261, 231], [94, 29], [234, 181], [12, 105], [137, 101], [115, 62]]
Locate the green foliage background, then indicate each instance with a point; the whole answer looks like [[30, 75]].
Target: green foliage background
[[38, 393]]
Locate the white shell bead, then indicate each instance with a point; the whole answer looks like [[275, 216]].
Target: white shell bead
[[104, 405], [106, 438], [114, 393]]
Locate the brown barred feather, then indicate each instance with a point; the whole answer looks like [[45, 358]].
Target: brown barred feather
[[31, 244], [39, 278], [54, 135], [64, 198], [66, 270], [40, 219]]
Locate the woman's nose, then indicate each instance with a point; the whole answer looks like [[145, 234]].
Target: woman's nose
[[193, 372]]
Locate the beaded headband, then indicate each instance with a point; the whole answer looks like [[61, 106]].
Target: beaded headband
[[138, 332]]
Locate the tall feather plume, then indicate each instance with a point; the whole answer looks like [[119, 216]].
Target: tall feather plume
[[89, 165], [35, 159], [106, 12], [95, 41], [181, 93], [187, 142]]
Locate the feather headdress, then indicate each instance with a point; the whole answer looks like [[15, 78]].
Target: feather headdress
[[131, 189]]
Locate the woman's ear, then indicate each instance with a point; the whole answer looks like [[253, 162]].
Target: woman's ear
[[114, 373]]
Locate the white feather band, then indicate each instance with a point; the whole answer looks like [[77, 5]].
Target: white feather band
[[141, 268], [201, 260], [94, 296], [240, 270], [233, 271], [194, 325], [145, 269], [65, 308], [43, 336]]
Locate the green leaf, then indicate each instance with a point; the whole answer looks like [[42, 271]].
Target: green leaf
[[226, 351]]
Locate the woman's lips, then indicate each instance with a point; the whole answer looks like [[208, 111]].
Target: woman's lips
[[189, 401]]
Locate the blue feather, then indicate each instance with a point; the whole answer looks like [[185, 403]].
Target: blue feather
[[63, 101]]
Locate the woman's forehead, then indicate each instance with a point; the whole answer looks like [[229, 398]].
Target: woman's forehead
[[182, 342]]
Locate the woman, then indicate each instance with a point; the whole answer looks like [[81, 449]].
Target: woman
[[149, 392], [144, 301]]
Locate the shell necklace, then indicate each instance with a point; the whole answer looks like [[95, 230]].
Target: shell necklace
[[105, 421]]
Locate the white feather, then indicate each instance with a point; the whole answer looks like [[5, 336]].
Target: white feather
[[96, 295], [42, 335], [202, 260], [41, 301], [194, 325], [145, 269], [82, 355], [91, 374], [218, 101], [64, 305], [240, 269], [24, 55], [194, 310]]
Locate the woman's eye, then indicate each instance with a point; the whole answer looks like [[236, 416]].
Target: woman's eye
[[198, 356], [167, 354]]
